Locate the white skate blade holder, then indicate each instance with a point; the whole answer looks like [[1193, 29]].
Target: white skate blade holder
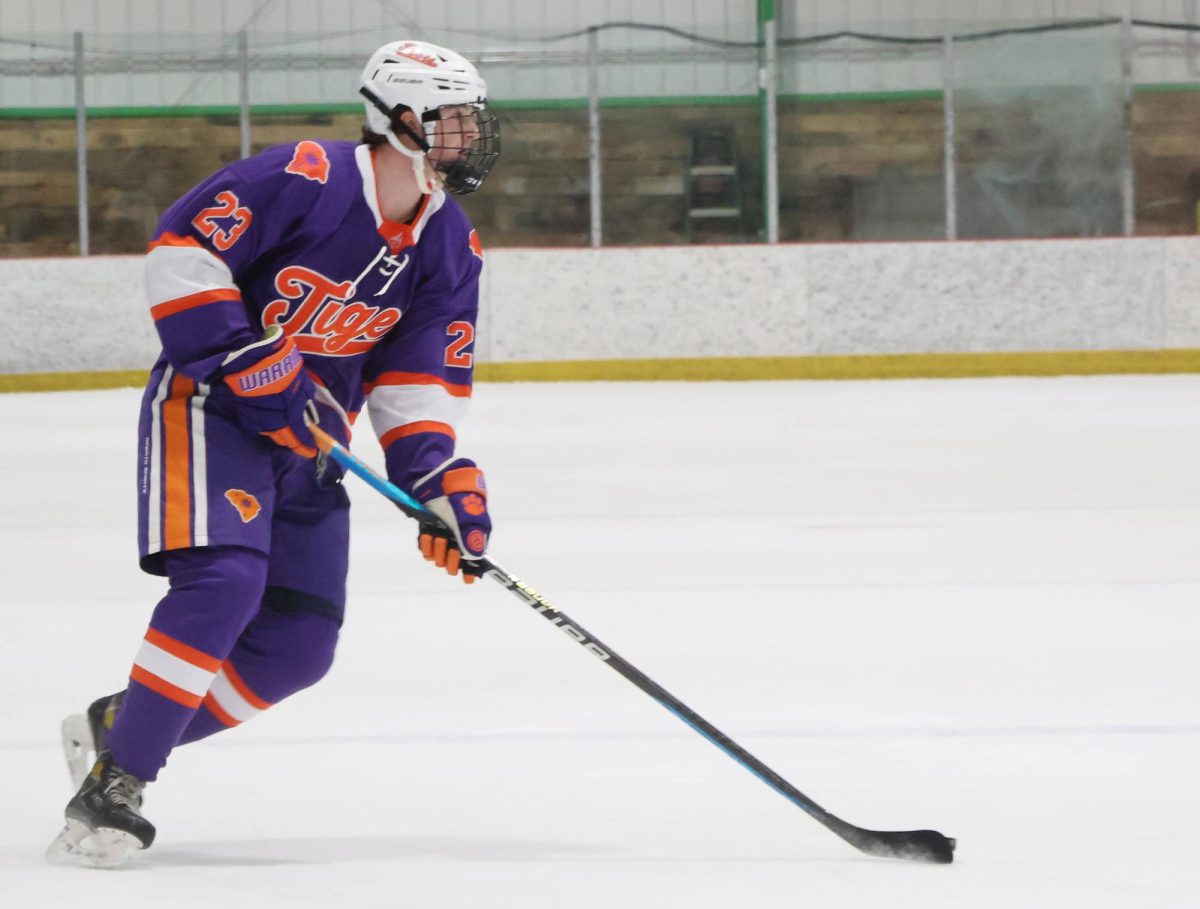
[[78, 748], [83, 847]]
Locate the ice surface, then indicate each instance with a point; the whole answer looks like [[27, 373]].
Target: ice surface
[[967, 605]]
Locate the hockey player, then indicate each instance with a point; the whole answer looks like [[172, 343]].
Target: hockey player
[[288, 288]]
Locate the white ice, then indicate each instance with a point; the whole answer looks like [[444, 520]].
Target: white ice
[[969, 605]]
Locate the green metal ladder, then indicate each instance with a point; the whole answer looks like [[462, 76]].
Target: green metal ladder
[[713, 180]]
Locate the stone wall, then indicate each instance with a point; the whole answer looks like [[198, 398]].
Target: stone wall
[[849, 170]]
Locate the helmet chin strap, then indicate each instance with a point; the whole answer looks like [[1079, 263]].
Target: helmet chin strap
[[422, 170], [420, 163]]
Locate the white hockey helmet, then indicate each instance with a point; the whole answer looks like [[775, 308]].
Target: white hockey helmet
[[427, 79]]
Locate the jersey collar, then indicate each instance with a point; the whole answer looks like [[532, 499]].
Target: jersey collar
[[398, 234]]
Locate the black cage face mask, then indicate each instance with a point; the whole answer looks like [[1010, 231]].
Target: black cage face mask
[[464, 143], [465, 140]]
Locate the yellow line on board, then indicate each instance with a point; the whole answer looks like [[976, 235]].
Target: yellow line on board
[[73, 381], [710, 369], [883, 366]]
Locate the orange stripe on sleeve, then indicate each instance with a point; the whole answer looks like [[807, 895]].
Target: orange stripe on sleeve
[[191, 301], [165, 688], [197, 658], [412, 429], [215, 709], [418, 378], [243, 689], [177, 479], [170, 239]]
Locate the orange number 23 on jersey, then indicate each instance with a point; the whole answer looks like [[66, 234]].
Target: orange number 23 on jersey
[[228, 206]]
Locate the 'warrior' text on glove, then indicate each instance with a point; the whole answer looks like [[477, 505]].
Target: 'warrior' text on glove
[[274, 393]]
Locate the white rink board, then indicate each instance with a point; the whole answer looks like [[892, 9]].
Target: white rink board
[[708, 301], [968, 605]]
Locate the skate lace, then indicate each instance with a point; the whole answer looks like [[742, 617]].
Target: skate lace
[[125, 790]]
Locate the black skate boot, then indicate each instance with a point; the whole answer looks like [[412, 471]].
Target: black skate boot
[[84, 736], [104, 820]]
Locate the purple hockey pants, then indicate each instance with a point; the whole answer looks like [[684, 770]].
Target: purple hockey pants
[[255, 547]]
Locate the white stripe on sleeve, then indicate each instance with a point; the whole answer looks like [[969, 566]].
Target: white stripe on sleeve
[[397, 405], [180, 271]]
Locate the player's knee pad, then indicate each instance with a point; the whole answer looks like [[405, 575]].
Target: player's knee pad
[[295, 637]]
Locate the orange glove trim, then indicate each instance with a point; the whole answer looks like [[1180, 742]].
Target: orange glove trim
[[450, 557], [464, 479], [287, 438]]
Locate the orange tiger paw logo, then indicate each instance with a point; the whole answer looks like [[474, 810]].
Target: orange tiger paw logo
[[476, 541], [247, 506], [310, 162], [473, 505]]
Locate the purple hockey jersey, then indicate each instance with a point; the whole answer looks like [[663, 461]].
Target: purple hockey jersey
[[383, 312]]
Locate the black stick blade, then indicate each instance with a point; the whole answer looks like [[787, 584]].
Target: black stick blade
[[910, 845]]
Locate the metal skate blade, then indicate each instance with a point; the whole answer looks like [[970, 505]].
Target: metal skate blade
[[82, 847], [78, 748]]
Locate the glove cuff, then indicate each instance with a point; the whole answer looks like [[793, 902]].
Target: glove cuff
[[270, 375], [464, 479], [452, 476]]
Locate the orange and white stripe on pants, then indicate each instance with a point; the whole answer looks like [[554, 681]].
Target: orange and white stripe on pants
[[174, 669], [178, 493], [230, 699]]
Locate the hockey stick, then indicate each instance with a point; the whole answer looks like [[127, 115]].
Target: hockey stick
[[914, 845]]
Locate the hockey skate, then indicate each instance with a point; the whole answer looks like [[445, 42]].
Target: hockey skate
[[84, 736], [104, 821]]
